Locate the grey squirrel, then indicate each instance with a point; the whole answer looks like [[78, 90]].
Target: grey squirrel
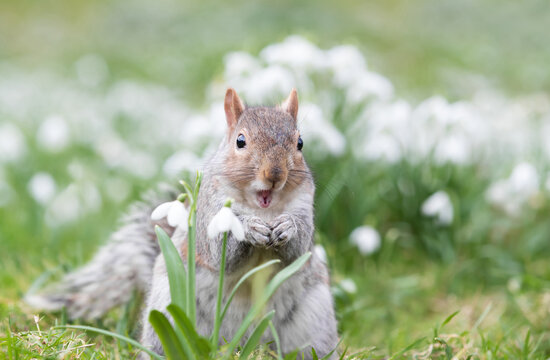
[[260, 165]]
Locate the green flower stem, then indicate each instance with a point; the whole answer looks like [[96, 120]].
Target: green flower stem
[[191, 302], [218, 318]]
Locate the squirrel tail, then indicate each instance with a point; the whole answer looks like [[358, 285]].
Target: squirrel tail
[[121, 266]]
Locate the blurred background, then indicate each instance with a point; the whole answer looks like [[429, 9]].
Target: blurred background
[[425, 123]]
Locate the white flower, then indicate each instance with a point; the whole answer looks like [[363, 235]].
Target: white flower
[[295, 52], [524, 179], [183, 160], [348, 285], [12, 142], [53, 134], [512, 193], [439, 205], [321, 253], [42, 187], [454, 149], [238, 64], [366, 238], [316, 127], [271, 81], [225, 221], [65, 207], [174, 211], [346, 62]]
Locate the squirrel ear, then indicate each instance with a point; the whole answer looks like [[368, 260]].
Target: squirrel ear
[[233, 107], [290, 105]]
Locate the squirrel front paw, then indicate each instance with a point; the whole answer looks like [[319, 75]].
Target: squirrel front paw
[[283, 229], [257, 232]]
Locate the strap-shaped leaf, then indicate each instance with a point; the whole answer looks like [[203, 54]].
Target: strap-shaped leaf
[[199, 346], [270, 289], [277, 341], [174, 267], [173, 347], [126, 339], [243, 279], [256, 336]]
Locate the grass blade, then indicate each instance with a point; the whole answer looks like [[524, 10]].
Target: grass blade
[[130, 341], [174, 268], [242, 280], [173, 347], [277, 341], [273, 285], [256, 336]]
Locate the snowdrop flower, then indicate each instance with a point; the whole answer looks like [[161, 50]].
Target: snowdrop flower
[[174, 211], [183, 160], [367, 85], [42, 187], [53, 134], [454, 149], [439, 205], [366, 238], [348, 285], [225, 221], [295, 52], [315, 126], [12, 143], [382, 147], [65, 207], [261, 86], [346, 62], [524, 179], [321, 253], [238, 64], [512, 193]]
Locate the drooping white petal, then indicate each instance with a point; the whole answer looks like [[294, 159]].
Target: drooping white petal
[[225, 221], [161, 211], [439, 205], [177, 214], [237, 229]]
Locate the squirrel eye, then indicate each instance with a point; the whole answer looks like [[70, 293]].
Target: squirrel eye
[[241, 141], [300, 143]]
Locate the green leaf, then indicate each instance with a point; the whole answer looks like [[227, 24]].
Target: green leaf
[[412, 345], [327, 356], [449, 318], [314, 354], [277, 341], [112, 334], [198, 345], [243, 279], [292, 355], [256, 336], [173, 347], [174, 268], [270, 289]]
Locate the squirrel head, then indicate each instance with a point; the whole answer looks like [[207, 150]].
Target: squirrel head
[[264, 160]]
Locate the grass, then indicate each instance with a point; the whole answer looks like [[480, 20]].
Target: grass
[[490, 268]]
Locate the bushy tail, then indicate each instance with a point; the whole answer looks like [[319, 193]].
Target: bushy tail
[[124, 264]]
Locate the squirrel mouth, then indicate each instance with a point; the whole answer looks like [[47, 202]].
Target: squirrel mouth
[[264, 198]]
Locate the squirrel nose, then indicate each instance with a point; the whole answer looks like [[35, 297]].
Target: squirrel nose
[[273, 175]]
